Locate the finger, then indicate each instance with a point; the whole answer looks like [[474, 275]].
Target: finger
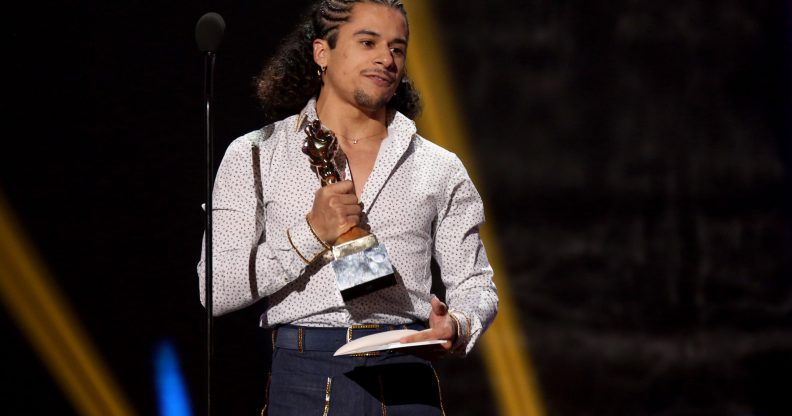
[[349, 209], [426, 334], [351, 220], [344, 220], [343, 187], [438, 307], [344, 199]]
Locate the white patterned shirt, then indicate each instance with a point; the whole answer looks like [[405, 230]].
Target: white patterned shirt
[[419, 202]]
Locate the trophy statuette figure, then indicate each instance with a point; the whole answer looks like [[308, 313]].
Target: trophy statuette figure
[[361, 264]]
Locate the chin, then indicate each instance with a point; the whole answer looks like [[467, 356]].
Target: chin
[[372, 101]]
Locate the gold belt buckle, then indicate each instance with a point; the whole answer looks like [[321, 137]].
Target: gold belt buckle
[[362, 326]]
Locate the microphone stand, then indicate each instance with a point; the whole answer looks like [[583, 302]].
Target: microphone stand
[[209, 63], [208, 35]]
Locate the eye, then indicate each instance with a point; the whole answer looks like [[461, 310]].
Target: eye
[[397, 51], [367, 43]]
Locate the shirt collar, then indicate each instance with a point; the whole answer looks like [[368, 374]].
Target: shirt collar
[[400, 127], [401, 131], [307, 114]]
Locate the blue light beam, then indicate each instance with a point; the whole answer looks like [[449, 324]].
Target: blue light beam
[[171, 389]]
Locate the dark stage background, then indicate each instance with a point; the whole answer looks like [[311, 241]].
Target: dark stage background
[[635, 156]]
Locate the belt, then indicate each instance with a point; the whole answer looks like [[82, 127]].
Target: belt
[[305, 338]]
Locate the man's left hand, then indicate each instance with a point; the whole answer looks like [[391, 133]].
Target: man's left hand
[[441, 326]]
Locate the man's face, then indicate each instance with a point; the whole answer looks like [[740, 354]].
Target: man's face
[[367, 64]]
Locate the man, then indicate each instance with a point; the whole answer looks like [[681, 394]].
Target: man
[[345, 66]]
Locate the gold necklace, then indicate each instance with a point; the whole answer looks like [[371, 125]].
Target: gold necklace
[[355, 141]]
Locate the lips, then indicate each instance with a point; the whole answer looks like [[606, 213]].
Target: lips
[[380, 78]]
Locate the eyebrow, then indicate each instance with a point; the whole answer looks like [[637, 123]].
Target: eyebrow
[[367, 32]]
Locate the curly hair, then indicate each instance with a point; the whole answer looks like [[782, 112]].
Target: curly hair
[[289, 79]]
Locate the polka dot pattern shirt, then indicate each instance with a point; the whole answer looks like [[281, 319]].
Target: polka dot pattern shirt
[[419, 201]]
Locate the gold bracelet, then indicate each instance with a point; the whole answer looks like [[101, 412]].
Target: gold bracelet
[[288, 235], [469, 334], [458, 328], [310, 227], [320, 254]]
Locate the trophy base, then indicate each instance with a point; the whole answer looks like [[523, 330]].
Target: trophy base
[[368, 287], [363, 272]]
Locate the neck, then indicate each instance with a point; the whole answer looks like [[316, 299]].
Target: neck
[[349, 120]]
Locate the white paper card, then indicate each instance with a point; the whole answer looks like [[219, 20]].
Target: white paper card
[[381, 341]]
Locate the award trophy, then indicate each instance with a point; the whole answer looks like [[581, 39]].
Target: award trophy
[[361, 264]]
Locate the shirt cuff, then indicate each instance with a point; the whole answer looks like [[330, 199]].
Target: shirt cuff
[[463, 327], [304, 243]]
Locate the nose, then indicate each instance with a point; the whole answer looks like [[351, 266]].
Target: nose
[[385, 58]]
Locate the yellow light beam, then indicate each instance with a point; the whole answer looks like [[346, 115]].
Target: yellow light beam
[[51, 327], [505, 351]]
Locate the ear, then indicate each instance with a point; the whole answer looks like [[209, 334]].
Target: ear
[[320, 52]]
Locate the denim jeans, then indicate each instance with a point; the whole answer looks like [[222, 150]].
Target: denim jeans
[[316, 383]]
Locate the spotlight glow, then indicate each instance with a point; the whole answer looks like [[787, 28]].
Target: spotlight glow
[[171, 388]]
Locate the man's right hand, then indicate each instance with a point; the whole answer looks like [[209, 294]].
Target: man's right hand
[[335, 210]]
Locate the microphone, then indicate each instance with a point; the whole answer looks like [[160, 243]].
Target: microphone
[[209, 32]]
